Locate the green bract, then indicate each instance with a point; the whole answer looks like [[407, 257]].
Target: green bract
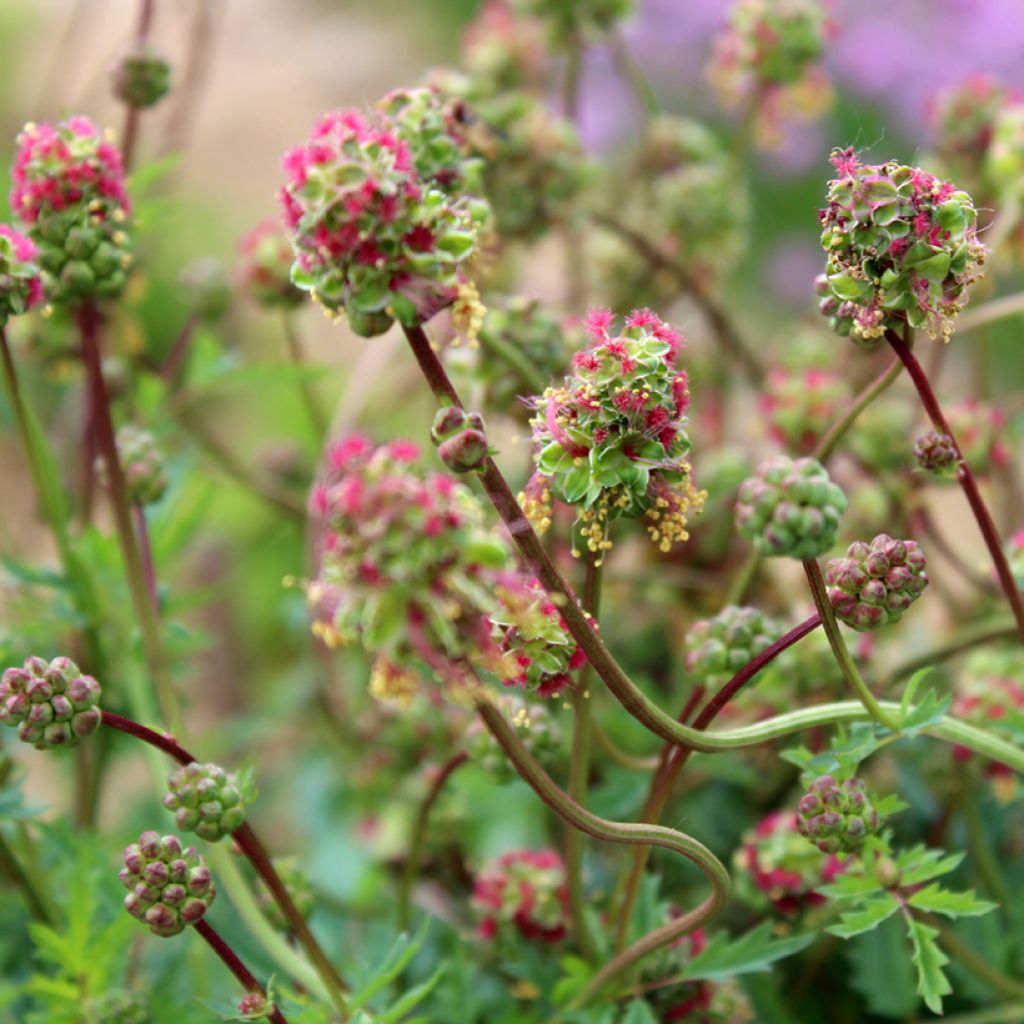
[[790, 508]]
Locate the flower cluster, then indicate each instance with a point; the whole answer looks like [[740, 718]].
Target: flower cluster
[[170, 887], [538, 728], [372, 235], [902, 247], [611, 439], [876, 583], [529, 629], [51, 703], [70, 194], [142, 462], [980, 429], [800, 406], [406, 566], [719, 647], [790, 508], [265, 272], [837, 816], [21, 286], [936, 453], [525, 889], [141, 77], [776, 865], [207, 800], [769, 52]]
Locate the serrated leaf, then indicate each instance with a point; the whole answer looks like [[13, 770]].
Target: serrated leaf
[[397, 959], [411, 999], [850, 887], [911, 689], [882, 972], [952, 904], [889, 805], [870, 914], [919, 864], [929, 711], [638, 1012], [577, 973], [928, 958], [754, 951]]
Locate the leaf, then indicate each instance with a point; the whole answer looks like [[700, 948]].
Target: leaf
[[397, 959], [952, 904], [919, 864], [638, 1012], [754, 951], [881, 970], [932, 983], [577, 973], [931, 710], [911, 689], [412, 998], [871, 913], [851, 886]]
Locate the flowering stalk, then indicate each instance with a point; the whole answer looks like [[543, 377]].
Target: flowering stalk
[[964, 476], [235, 966], [842, 654], [614, 832], [419, 828], [129, 135], [253, 848]]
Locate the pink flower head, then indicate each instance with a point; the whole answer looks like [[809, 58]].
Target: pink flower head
[[527, 890], [22, 286]]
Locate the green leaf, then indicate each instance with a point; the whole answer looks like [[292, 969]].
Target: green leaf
[[577, 973], [397, 959], [919, 864], [872, 912], [411, 999], [638, 1012], [881, 970], [931, 710], [952, 904], [754, 951], [932, 983], [911, 689]]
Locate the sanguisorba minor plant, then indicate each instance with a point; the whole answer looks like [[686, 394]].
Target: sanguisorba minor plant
[[532, 633]]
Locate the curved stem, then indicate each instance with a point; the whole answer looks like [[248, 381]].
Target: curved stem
[[579, 770], [614, 832], [965, 477], [839, 649], [231, 960], [419, 828], [725, 330], [835, 433], [498, 346], [248, 842], [631, 762]]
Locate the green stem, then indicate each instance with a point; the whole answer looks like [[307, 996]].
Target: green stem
[[19, 878], [419, 831], [579, 771], [631, 762], [1012, 1013], [839, 649], [614, 832], [835, 433]]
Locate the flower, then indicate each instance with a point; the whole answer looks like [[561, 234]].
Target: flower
[[611, 439], [876, 583], [980, 430], [265, 270], [800, 406], [21, 286], [69, 192], [460, 439], [525, 889], [936, 453], [503, 49], [170, 886], [902, 247], [207, 800], [837, 816], [372, 234], [51, 703], [790, 508]]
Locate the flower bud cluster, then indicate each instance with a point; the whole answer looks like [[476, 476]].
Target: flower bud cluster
[[611, 439], [800, 406], [254, 1006], [69, 192], [539, 731], [540, 652], [790, 508], [525, 890], [374, 231], [265, 271], [775, 865], [145, 473], [876, 583], [901, 245], [720, 646], [51, 703], [142, 76], [837, 816], [460, 439], [769, 52], [207, 800], [170, 886], [21, 286], [936, 453]]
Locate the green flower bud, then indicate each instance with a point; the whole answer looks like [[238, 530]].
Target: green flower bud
[[52, 704], [142, 76], [207, 800]]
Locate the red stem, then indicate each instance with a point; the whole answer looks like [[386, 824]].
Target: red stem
[[964, 476], [131, 117], [155, 739], [231, 960]]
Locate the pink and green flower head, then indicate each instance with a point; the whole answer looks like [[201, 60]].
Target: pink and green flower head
[[143, 465], [799, 406], [265, 268], [611, 439], [901, 249], [21, 286], [52, 704], [989, 693], [769, 53], [524, 891], [372, 237], [776, 866], [837, 816], [69, 192], [406, 566], [981, 431]]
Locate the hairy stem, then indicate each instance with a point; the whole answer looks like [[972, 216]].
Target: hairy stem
[[419, 831], [839, 649], [964, 476], [235, 966]]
